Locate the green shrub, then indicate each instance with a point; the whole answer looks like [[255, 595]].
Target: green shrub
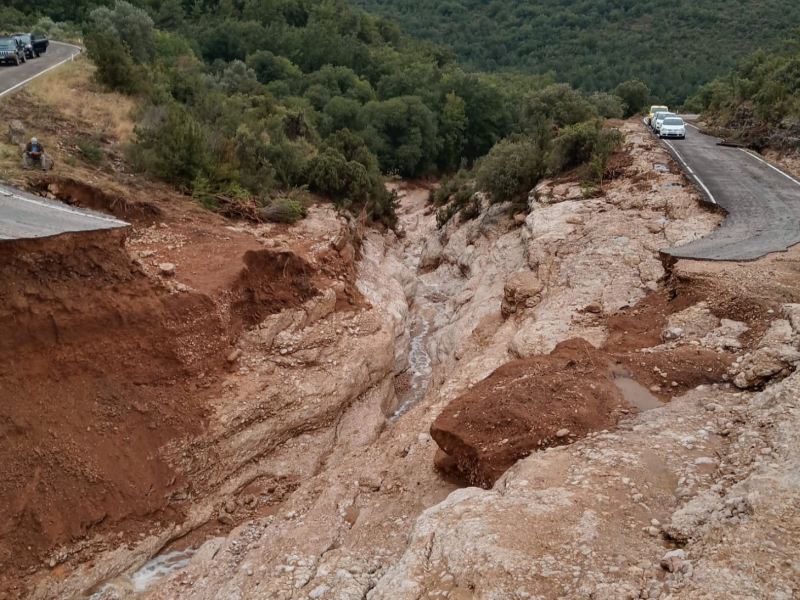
[[269, 68], [115, 67], [93, 153], [559, 104], [575, 145], [450, 185], [444, 214], [53, 30], [332, 174], [511, 170], [174, 149], [169, 47], [465, 202], [131, 25], [601, 153], [609, 106], [472, 209], [635, 95], [402, 133]]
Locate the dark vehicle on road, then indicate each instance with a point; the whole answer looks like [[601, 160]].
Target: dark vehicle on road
[[11, 51], [35, 45]]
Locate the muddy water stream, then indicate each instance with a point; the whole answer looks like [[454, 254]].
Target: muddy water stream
[[418, 358], [153, 570]]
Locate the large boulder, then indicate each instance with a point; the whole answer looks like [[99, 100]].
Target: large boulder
[[16, 132], [522, 290]]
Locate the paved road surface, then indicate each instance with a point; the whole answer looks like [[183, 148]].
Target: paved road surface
[[24, 215], [763, 203], [11, 76]]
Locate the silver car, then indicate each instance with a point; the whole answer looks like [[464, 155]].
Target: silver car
[[660, 119], [672, 127]]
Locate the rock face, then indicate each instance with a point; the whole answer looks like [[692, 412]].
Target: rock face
[[368, 515], [777, 354], [522, 290], [614, 500], [528, 405]]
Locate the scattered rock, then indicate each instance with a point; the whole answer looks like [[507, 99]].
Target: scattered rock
[[775, 356], [167, 269], [16, 132], [522, 290]]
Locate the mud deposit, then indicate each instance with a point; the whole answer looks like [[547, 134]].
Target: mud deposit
[[76, 404], [529, 405]]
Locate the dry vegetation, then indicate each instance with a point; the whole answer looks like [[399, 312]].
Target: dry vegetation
[[82, 126], [72, 92]]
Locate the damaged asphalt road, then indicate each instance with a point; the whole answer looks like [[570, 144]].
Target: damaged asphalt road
[[762, 202]]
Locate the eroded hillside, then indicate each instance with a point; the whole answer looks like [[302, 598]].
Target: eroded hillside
[[308, 366], [208, 408]]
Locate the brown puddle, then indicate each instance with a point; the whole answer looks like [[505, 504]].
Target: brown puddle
[[637, 395]]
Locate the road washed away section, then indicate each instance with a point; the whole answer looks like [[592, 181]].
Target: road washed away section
[[762, 202], [26, 216]]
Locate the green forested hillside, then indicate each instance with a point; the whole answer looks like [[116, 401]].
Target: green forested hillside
[[759, 102], [253, 101], [672, 46]]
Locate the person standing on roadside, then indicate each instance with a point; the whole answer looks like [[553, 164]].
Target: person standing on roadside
[[34, 151]]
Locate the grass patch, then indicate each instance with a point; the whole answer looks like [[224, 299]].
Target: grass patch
[[71, 91]]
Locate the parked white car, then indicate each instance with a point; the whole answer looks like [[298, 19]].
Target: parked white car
[[672, 127], [660, 119]]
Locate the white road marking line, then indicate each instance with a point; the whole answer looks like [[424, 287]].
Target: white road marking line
[[688, 168], [773, 167], [51, 206], [29, 79], [693, 126]]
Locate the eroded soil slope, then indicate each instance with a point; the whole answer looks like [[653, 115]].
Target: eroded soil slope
[[92, 384], [114, 346]]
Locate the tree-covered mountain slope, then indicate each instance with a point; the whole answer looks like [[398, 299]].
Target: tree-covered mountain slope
[[673, 46]]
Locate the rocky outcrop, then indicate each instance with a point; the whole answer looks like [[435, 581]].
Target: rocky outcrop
[[614, 500], [388, 285], [698, 326], [777, 354], [571, 520], [522, 290]]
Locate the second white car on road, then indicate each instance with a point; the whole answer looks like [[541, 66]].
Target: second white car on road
[[660, 119], [672, 127]]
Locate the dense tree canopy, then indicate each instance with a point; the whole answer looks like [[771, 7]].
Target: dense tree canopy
[[250, 98], [673, 47]]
